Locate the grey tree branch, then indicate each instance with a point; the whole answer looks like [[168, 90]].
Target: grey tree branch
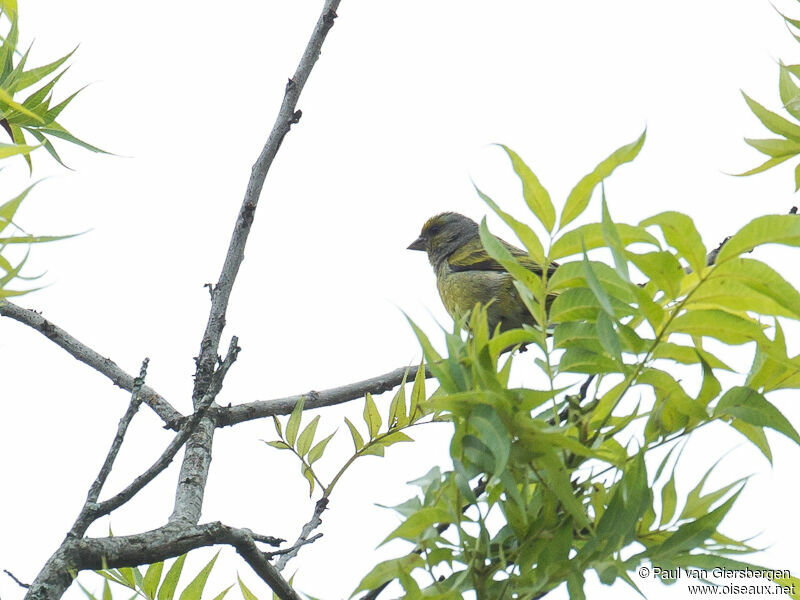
[[172, 540], [197, 459], [259, 409], [89, 357], [287, 116]]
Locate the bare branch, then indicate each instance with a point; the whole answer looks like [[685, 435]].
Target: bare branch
[[85, 517], [287, 116], [197, 459], [259, 409], [303, 539], [86, 355], [105, 470], [17, 581]]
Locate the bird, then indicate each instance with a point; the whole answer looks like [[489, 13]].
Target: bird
[[466, 275]]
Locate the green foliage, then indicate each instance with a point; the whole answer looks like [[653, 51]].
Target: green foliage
[[403, 414], [547, 484], [34, 116], [152, 586], [787, 145]]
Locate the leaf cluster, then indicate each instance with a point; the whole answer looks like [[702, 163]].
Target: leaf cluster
[[156, 584], [35, 116], [403, 414], [549, 483], [787, 145]]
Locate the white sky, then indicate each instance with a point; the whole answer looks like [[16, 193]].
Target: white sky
[[398, 115]]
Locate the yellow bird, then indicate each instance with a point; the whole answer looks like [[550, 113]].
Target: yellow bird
[[466, 275]]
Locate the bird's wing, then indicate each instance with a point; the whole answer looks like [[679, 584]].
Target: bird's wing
[[473, 257]]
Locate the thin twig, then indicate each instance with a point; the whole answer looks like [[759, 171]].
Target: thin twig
[[297, 546], [303, 538], [85, 516], [17, 581]]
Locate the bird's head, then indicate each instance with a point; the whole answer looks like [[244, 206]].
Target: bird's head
[[444, 234]]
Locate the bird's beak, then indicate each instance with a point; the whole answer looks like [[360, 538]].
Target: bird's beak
[[418, 244]]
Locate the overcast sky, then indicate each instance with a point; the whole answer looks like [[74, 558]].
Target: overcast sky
[[399, 115]]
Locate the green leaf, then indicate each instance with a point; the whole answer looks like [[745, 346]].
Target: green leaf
[[36, 74], [9, 208], [692, 534], [573, 274], [434, 360], [490, 431], [662, 268], [596, 287], [54, 129], [280, 445], [578, 304], [86, 592], [608, 337], [751, 407], [789, 92], [7, 150], [294, 421], [724, 326], [592, 236], [152, 577], [309, 476], [669, 500], [316, 452], [578, 198], [526, 235], [371, 416], [581, 360], [388, 570], [536, 196], [687, 355], [307, 437], [246, 593], [397, 408], [51, 115], [556, 478], [223, 593], [498, 252], [277, 424], [773, 122], [6, 98], [417, 394], [415, 524], [765, 166], [681, 234], [769, 229], [167, 589], [194, 590], [775, 148], [358, 441], [614, 241]]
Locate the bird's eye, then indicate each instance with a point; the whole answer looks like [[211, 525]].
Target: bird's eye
[[434, 229]]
